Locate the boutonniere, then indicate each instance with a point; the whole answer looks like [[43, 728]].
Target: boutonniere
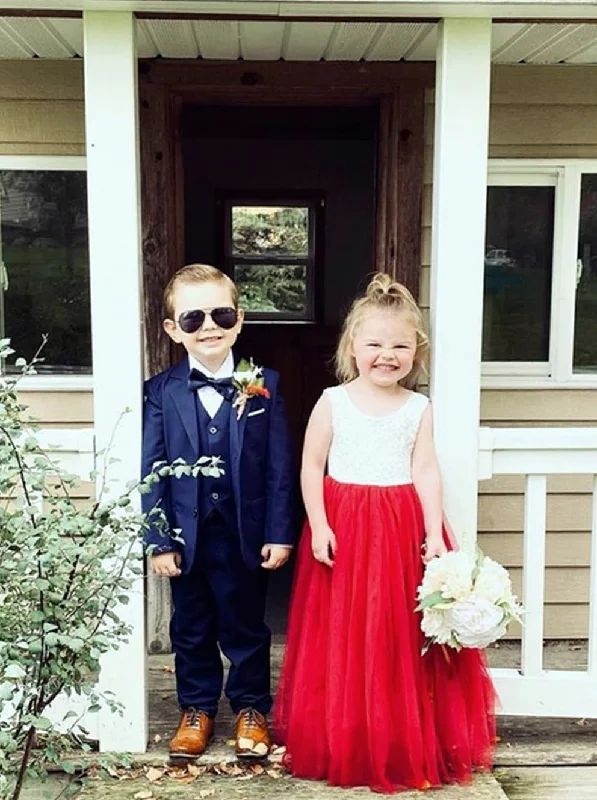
[[248, 381]]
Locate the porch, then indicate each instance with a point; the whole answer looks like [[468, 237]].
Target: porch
[[434, 120]]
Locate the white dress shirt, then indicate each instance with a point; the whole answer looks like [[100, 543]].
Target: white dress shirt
[[211, 400]]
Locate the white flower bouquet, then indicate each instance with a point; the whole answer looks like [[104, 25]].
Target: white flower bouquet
[[467, 601]]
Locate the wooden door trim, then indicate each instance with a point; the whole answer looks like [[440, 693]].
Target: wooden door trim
[[165, 86]]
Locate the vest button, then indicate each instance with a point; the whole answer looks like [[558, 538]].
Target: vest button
[[213, 429], [215, 496], [195, 512]]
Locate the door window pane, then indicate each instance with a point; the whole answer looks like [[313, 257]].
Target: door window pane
[[270, 230], [518, 273], [585, 325], [268, 288], [44, 250]]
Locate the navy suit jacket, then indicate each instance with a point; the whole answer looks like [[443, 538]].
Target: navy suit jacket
[[261, 468]]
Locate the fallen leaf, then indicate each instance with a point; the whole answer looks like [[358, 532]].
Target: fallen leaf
[[582, 722], [143, 795], [273, 773], [157, 738], [257, 769], [186, 779], [207, 792], [194, 770], [168, 668], [230, 742], [154, 774]]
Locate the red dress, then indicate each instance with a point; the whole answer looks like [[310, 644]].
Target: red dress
[[357, 703]]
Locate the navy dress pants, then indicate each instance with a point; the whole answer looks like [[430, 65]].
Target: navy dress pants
[[221, 602]]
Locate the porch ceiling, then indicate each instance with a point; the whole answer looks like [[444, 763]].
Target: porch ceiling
[[225, 39]]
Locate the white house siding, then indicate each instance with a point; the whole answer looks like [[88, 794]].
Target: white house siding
[[536, 112]]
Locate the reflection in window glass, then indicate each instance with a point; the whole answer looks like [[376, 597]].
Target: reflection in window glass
[[270, 230], [272, 289], [585, 324], [518, 272], [270, 252], [43, 246]]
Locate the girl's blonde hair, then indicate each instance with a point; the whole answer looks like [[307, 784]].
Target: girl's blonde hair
[[383, 294]]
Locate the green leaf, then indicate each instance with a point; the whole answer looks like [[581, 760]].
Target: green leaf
[[430, 601]]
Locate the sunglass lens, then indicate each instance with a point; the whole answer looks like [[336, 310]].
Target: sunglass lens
[[225, 317], [191, 321]]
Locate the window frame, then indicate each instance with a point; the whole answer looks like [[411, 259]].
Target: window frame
[[558, 372], [315, 203], [49, 163]]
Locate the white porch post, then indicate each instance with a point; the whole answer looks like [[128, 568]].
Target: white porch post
[[116, 286], [457, 252]]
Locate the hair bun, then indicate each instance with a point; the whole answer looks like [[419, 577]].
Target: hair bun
[[382, 287]]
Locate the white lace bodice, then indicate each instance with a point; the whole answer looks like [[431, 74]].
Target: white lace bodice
[[373, 451]]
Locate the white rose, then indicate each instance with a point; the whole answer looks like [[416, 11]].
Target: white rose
[[493, 582], [435, 625], [451, 574], [476, 622]]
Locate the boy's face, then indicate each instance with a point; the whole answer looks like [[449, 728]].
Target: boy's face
[[210, 344]]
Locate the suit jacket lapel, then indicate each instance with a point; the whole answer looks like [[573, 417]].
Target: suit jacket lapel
[[184, 400], [237, 435]]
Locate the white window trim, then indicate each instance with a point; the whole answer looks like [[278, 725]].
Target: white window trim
[[50, 383], [557, 373]]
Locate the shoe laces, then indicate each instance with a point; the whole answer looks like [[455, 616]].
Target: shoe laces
[[195, 717], [249, 717]]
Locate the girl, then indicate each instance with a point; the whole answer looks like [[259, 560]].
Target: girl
[[358, 704]]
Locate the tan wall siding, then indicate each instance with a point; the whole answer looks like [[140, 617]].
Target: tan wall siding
[[41, 108], [536, 112], [60, 409]]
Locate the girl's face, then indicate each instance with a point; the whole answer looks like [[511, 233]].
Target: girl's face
[[384, 347]]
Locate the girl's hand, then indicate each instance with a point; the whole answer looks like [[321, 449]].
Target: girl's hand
[[323, 544], [433, 548]]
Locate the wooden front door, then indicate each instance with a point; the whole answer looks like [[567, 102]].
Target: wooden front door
[[347, 157]]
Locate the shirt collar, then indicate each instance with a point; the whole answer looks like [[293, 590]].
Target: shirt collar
[[225, 371]]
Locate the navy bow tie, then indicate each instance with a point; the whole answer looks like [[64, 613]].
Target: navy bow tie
[[197, 380]]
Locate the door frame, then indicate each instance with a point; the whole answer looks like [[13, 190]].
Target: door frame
[[166, 85]]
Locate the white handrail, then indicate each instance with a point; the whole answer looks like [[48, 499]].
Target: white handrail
[[536, 453]]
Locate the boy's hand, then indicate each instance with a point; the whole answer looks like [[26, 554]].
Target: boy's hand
[[166, 565], [275, 556]]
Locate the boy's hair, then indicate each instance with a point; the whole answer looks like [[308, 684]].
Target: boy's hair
[[383, 294], [196, 273]]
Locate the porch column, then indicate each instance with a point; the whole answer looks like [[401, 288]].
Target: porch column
[[116, 286], [457, 253]]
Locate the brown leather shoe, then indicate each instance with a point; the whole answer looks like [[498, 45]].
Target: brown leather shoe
[[193, 735], [252, 735]]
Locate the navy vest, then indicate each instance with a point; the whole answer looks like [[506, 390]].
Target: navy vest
[[216, 494]]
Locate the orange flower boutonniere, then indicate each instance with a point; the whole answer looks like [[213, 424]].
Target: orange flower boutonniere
[[248, 382]]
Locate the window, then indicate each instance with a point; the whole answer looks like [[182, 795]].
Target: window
[[269, 251], [540, 289], [44, 261]]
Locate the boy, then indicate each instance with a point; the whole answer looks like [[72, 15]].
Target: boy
[[235, 527]]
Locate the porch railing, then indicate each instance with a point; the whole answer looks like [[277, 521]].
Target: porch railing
[[536, 453]]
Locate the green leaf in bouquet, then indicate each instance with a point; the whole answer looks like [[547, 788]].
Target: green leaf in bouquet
[[430, 601]]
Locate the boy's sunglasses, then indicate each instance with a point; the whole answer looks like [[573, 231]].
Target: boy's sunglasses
[[191, 321]]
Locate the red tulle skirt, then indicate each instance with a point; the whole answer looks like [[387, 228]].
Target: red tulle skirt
[[358, 705]]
